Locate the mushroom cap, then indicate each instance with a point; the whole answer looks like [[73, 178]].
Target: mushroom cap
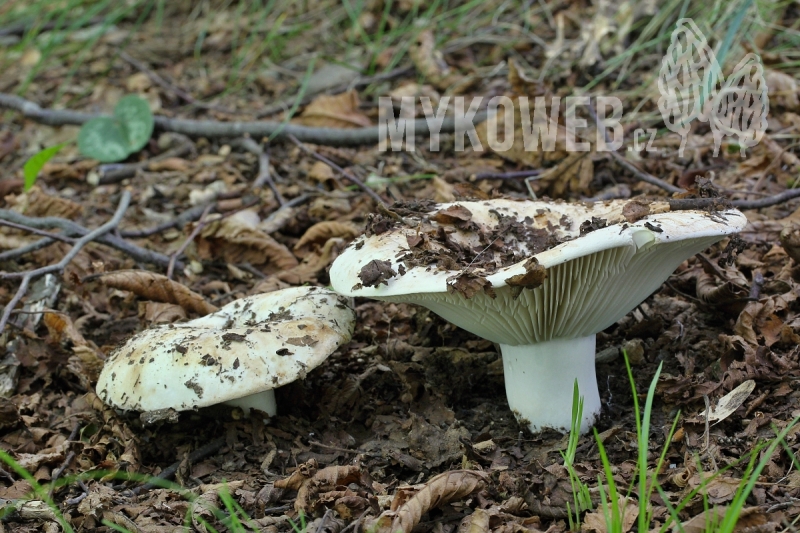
[[591, 281], [251, 345]]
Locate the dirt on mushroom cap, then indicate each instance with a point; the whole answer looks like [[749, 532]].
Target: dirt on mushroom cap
[[250, 345]]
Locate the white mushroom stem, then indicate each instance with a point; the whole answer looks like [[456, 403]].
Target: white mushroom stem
[[263, 401], [540, 381]]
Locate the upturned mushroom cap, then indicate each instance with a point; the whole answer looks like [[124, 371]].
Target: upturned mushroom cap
[[588, 282], [538, 278], [249, 346]]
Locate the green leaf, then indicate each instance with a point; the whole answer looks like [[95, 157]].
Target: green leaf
[[34, 165], [112, 139], [137, 121], [104, 139]]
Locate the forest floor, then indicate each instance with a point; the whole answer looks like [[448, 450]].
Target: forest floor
[[411, 396]]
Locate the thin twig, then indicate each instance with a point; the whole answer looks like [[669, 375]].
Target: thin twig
[[122, 172], [36, 231], [187, 216], [644, 176], [28, 248], [72, 229], [639, 173], [124, 202], [506, 175], [216, 129], [177, 91], [348, 175], [195, 232], [79, 498], [246, 143], [198, 455], [70, 456]]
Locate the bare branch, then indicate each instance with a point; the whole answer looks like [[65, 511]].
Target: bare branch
[[216, 129], [124, 202]]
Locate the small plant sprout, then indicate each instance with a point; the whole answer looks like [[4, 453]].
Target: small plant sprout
[[237, 355], [539, 278]]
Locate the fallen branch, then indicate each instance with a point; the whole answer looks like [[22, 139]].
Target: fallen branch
[[198, 455], [216, 129], [125, 171], [71, 229], [124, 202], [36, 231], [246, 143], [724, 203], [644, 176], [195, 232]]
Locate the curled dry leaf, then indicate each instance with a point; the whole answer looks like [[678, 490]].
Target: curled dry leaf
[[156, 287], [238, 241], [307, 271], [337, 111], [318, 235], [430, 63], [596, 520], [790, 240], [37, 203], [161, 313], [323, 481], [440, 490]]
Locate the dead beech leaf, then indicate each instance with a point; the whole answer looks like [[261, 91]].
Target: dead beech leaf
[[323, 481], [430, 62], [161, 313], [170, 164], [596, 520], [312, 264], [303, 472], [156, 287], [729, 403], [319, 233], [337, 111], [782, 88], [321, 172], [439, 490], [37, 203], [749, 518], [239, 242]]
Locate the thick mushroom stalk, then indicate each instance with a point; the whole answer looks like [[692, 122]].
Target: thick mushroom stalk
[[540, 382], [544, 308]]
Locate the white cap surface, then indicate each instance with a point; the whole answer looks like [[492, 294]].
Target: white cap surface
[[251, 345]]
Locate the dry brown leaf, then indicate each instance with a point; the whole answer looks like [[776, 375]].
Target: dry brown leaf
[[440, 490], [156, 287], [782, 89], [430, 63], [171, 164], [749, 517], [323, 481], [318, 234], [477, 522], [596, 520], [321, 172], [239, 242], [444, 191], [37, 203], [337, 111], [161, 313], [302, 473], [307, 271]]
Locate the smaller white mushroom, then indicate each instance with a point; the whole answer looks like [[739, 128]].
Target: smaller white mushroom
[[237, 355]]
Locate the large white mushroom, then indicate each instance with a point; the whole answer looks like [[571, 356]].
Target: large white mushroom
[[237, 355], [540, 278]]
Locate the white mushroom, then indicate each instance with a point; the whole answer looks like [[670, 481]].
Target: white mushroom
[[538, 278], [237, 355]]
